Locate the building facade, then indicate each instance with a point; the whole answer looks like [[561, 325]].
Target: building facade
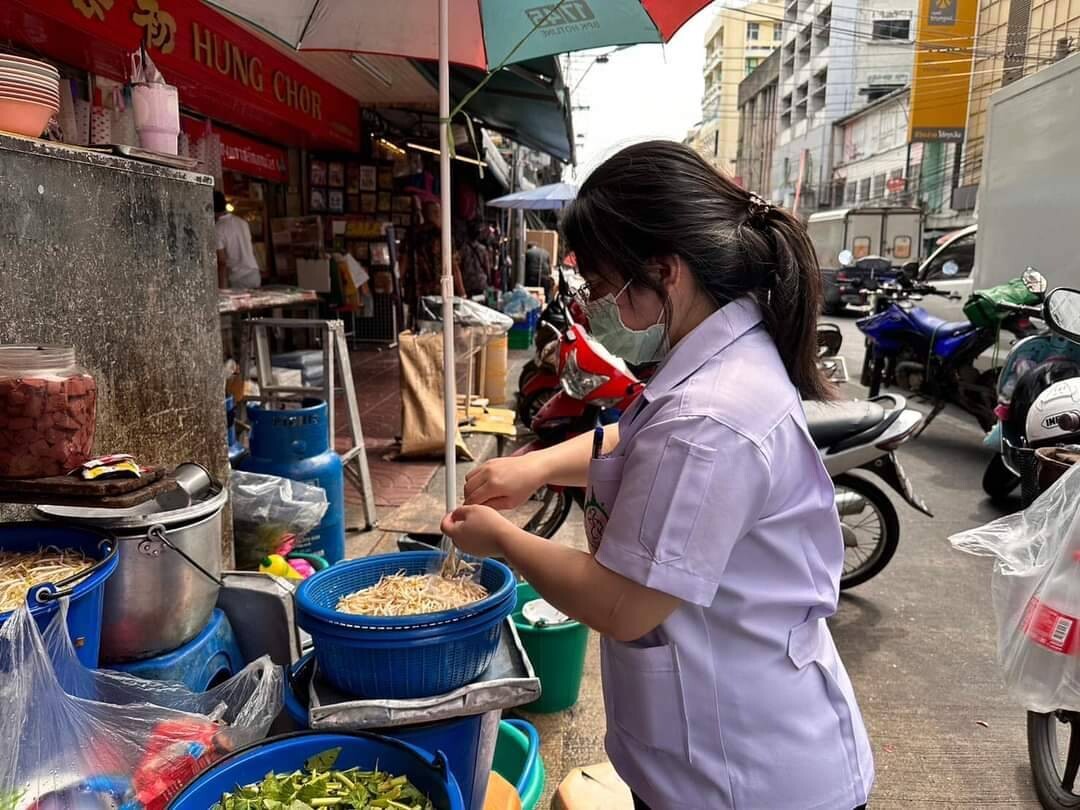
[[757, 125], [736, 42], [834, 59], [1013, 38]]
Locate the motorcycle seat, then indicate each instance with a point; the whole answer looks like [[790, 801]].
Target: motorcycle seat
[[936, 327], [832, 422]]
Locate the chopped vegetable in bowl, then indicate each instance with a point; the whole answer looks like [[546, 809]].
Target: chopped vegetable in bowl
[[319, 785]]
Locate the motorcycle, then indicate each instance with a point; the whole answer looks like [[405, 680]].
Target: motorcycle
[[910, 349], [1035, 596], [539, 379], [830, 339], [1033, 365]]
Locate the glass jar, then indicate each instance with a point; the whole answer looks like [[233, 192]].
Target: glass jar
[[47, 408]]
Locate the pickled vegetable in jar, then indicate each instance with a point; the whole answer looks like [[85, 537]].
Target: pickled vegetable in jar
[[47, 409]]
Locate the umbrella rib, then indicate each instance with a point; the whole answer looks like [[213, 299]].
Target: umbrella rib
[[307, 23]]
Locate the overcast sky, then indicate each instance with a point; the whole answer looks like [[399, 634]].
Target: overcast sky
[[647, 91]]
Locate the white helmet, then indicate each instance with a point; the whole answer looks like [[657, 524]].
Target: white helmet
[[1054, 416]]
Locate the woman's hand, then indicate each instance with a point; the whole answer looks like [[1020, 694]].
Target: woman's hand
[[478, 530], [505, 483]]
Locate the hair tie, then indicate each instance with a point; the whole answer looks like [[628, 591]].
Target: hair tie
[[758, 208]]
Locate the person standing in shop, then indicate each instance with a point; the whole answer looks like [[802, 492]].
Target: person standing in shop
[[538, 268], [237, 268], [421, 261], [715, 548]]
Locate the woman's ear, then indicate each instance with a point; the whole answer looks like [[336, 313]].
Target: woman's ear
[[670, 271]]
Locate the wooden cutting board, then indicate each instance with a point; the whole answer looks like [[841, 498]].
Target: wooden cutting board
[[66, 490]]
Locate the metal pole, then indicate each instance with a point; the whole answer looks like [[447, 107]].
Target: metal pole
[[519, 222], [450, 383]]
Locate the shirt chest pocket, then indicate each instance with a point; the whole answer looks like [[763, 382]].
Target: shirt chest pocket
[[605, 475]]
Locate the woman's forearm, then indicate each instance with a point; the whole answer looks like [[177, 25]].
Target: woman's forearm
[[567, 463], [575, 583]]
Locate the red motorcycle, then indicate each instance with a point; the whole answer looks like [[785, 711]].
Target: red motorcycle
[[595, 388]]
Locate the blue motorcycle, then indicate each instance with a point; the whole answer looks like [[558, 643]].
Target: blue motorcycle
[[922, 355]]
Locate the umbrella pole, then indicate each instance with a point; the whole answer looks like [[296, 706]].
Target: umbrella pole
[[450, 382]]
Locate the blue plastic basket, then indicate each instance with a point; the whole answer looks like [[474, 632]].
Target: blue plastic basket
[[407, 656], [428, 772], [86, 590]]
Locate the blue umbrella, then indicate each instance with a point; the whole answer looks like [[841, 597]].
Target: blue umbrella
[[543, 198]]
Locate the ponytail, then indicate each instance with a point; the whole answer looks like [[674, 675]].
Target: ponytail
[[661, 198]]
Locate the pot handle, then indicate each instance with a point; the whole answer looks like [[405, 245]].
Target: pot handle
[[157, 532], [42, 595]]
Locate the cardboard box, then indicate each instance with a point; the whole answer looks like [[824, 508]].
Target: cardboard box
[[313, 274], [548, 240]]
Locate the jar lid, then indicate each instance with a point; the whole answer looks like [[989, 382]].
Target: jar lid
[[542, 613], [30, 359]]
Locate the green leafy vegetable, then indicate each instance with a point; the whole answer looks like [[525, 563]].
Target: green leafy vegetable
[[319, 786]]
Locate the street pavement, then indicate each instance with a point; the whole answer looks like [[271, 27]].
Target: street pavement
[[918, 641]]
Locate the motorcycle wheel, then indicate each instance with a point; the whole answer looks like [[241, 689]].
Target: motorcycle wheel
[[528, 407], [871, 535], [555, 505], [1053, 767], [999, 481], [867, 360], [877, 375]]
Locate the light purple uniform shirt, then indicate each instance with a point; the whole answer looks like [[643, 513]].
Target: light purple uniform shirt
[[717, 495]]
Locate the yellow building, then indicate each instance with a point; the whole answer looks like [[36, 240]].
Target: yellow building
[[737, 41], [1013, 38]]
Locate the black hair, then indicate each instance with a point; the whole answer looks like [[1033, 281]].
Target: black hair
[[219, 203], [660, 198]]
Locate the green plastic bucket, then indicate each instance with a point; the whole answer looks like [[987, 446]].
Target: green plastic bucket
[[518, 760], [557, 653]]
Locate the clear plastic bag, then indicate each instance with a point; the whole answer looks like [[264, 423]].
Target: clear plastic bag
[[266, 510], [466, 313], [76, 738], [519, 302], [1036, 594]]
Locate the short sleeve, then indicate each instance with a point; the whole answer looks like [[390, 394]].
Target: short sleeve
[[690, 489], [219, 232]]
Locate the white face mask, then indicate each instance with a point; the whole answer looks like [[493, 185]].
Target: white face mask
[[635, 346]]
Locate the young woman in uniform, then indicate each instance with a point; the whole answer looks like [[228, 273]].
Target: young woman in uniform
[[716, 546]]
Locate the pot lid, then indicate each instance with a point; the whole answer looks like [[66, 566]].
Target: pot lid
[[136, 517]]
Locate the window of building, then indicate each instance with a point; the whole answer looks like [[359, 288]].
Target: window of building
[[777, 31], [719, 38], [851, 191], [878, 189], [753, 30], [751, 63], [892, 29], [864, 190], [716, 144]]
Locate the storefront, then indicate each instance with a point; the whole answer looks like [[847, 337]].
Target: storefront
[[248, 109]]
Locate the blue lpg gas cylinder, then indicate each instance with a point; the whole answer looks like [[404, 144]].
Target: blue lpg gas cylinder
[[295, 444]]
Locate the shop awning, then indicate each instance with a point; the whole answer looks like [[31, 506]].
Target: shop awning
[[527, 102]]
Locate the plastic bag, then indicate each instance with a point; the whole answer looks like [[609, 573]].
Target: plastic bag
[[76, 738], [466, 313], [267, 509], [519, 302], [1036, 594]]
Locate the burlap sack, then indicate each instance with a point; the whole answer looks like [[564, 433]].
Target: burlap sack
[[423, 421]]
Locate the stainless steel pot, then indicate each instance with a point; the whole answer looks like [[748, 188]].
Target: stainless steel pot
[[157, 600]]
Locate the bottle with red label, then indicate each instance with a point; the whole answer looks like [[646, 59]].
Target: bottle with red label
[[1047, 653]]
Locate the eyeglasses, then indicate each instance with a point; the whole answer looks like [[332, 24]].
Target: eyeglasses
[[591, 292]]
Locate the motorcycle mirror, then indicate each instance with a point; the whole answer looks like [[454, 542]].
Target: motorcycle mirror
[[1034, 281], [910, 270], [847, 258], [1062, 312], [950, 268]]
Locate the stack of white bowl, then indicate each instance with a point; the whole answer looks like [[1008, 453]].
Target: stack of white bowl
[[29, 94]]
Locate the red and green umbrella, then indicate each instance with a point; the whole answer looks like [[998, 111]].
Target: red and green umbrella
[[485, 34]]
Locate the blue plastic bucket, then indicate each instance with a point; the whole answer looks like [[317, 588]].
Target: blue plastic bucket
[[429, 773], [86, 590], [460, 738], [405, 656]]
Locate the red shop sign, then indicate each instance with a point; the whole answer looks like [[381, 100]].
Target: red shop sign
[[242, 154], [222, 70]]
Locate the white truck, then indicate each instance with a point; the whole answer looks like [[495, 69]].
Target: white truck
[[1029, 196], [892, 232]]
